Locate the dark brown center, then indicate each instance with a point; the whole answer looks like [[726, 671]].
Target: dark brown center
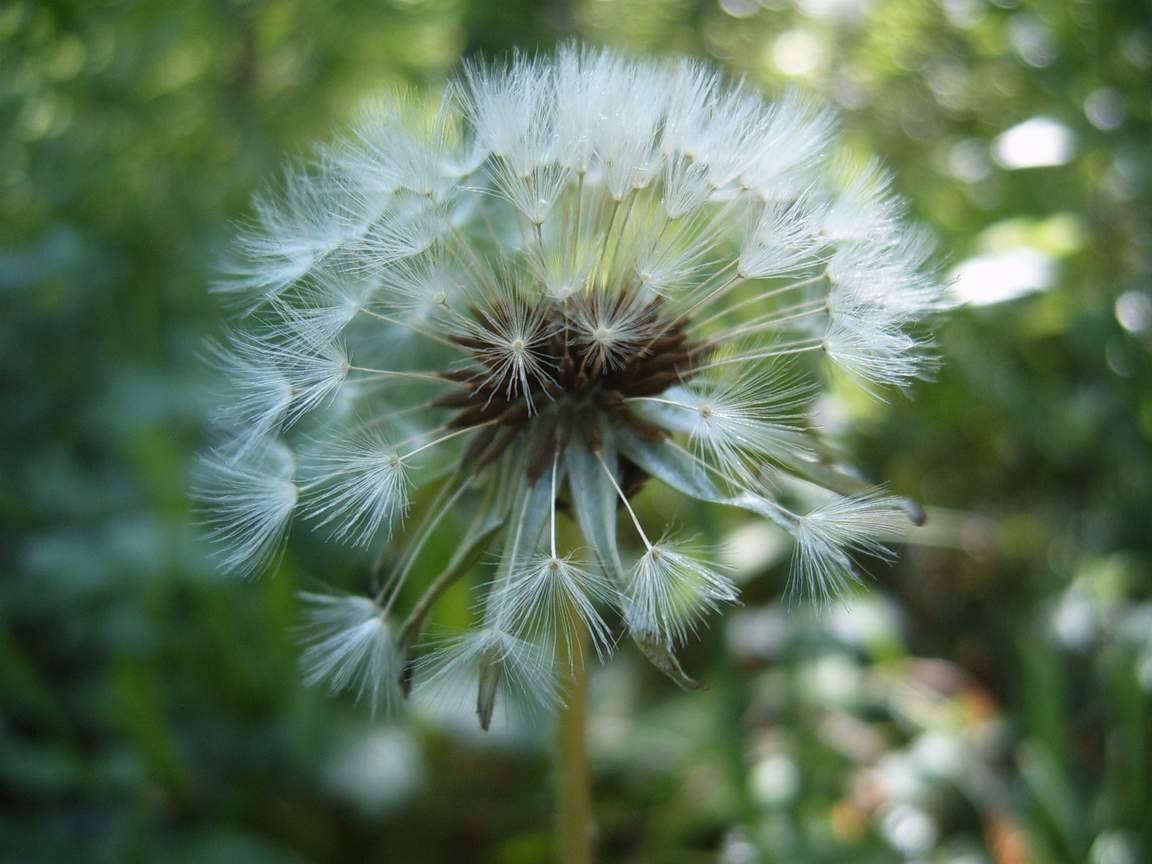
[[585, 370]]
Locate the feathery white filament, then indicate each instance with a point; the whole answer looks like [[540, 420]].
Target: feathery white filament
[[533, 193], [317, 310], [360, 485], [740, 420], [864, 207], [890, 272], [669, 592], [511, 110], [396, 148], [611, 326], [673, 258], [248, 499], [551, 597], [350, 646], [402, 232], [295, 231], [867, 343], [780, 241], [277, 383], [508, 336], [828, 537], [509, 671]]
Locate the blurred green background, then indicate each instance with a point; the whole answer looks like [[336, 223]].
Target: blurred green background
[[987, 700]]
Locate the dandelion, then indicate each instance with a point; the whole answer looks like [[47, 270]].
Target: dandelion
[[575, 275]]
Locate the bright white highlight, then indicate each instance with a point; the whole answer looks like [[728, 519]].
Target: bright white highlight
[[1000, 276], [1040, 142]]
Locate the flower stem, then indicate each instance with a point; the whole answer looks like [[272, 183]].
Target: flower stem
[[573, 794]]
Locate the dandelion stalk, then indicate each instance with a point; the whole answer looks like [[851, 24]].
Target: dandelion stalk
[[574, 828]]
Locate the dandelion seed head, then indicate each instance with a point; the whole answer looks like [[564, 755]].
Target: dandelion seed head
[[568, 277]]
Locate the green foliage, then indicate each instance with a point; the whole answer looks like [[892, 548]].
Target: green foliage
[[989, 700]]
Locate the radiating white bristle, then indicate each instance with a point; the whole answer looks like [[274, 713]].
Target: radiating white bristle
[[248, 502], [551, 598], [670, 591], [829, 536], [358, 485], [492, 667], [350, 647]]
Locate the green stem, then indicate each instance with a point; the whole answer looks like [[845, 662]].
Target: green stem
[[573, 795]]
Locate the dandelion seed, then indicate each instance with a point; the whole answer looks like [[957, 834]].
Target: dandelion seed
[[610, 327], [499, 668], [739, 421], [780, 241], [670, 592], [295, 232], [248, 500], [395, 148], [889, 272], [508, 335], [864, 207], [273, 384], [511, 110], [533, 194], [350, 647], [552, 597], [870, 345], [360, 485], [827, 537], [418, 288]]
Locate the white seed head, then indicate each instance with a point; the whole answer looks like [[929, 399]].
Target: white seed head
[[618, 269]]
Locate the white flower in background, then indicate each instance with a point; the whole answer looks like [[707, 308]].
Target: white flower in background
[[573, 276]]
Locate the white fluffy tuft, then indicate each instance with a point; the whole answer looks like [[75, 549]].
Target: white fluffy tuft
[[670, 591], [360, 485], [552, 598], [248, 499], [829, 536], [499, 669], [351, 648]]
